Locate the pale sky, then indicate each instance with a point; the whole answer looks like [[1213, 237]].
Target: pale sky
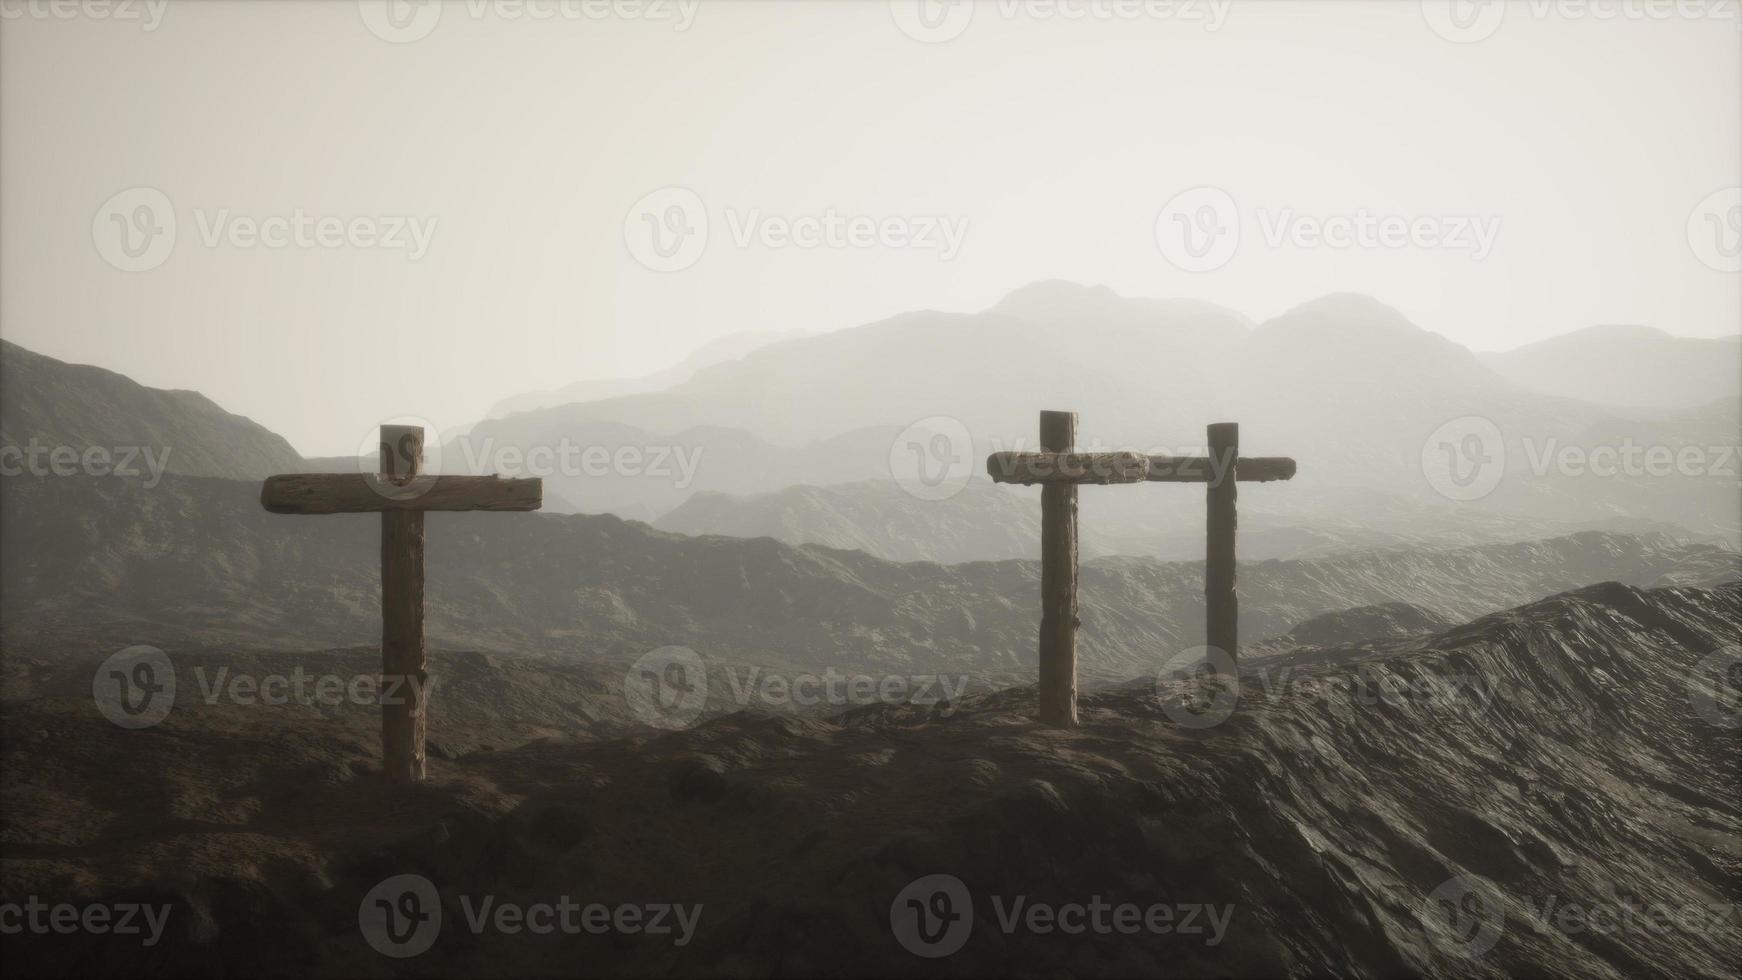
[[524, 150]]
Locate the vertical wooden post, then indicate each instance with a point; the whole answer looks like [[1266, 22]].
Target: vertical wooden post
[[1221, 602], [1058, 581], [404, 662]]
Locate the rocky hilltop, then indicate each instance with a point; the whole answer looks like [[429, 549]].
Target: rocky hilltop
[[1544, 791]]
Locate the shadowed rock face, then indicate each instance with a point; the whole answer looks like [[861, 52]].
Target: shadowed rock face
[[1385, 621], [1563, 754]]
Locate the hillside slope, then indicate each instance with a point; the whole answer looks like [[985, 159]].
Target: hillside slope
[[197, 563], [49, 403], [1627, 365], [1562, 756]]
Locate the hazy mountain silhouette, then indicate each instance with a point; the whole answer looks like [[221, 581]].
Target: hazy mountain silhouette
[[1345, 383], [986, 522], [1627, 365], [54, 404], [717, 351]]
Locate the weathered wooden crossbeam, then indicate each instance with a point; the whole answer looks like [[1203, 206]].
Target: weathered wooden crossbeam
[[1096, 469], [1202, 469], [350, 493]]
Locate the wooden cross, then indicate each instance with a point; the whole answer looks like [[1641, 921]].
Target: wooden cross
[[1059, 471], [402, 492]]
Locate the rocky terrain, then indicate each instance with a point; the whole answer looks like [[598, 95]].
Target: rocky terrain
[[986, 522], [1547, 791], [196, 564]]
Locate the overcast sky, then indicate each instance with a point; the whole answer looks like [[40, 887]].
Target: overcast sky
[[459, 199]]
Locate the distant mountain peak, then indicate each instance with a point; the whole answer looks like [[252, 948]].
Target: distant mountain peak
[[1055, 290], [1346, 309], [1053, 300], [1627, 330]]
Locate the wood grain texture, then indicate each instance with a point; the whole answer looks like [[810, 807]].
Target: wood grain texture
[[1058, 581], [349, 493], [1078, 468], [1221, 601], [404, 658], [1198, 469]]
